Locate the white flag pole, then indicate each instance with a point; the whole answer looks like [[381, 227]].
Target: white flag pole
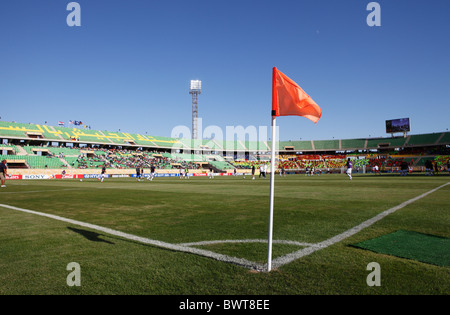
[[272, 186]]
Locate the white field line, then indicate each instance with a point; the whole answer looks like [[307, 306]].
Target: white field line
[[35, 191], [276, 263], [246, 241]]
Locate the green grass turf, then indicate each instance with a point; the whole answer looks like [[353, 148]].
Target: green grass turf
[[34, 251]]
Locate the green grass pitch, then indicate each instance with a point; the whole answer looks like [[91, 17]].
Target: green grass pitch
[[213, 215]]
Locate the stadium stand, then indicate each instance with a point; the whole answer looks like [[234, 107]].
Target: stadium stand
[[325, 145], [294, 145], [386, 142], [353, 144], [35, 146]]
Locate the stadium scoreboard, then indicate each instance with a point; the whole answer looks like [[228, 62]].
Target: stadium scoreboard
[[398, 125]]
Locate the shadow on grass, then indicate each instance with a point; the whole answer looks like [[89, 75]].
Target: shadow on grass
[[92, 236]]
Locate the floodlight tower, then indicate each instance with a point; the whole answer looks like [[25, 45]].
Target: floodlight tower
[[195, 89]]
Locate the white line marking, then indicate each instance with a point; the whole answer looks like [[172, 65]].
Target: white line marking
[[276, 263], [245, 241], [35, 191]]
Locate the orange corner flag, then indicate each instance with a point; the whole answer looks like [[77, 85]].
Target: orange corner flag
[[289, 99]]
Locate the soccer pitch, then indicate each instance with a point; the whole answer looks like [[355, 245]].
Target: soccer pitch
[[202, 236]]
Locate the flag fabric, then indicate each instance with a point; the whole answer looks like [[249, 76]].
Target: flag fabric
[[289, 99], [71, 122], [61, 123]]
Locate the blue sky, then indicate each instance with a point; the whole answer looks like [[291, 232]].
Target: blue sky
[[129, 64]]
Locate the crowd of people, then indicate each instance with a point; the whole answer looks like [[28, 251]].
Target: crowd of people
[[338, 163], [310, 163]]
